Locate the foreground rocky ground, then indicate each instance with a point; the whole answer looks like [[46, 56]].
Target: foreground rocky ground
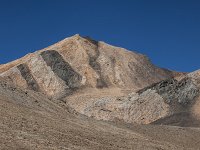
[[31, 121]]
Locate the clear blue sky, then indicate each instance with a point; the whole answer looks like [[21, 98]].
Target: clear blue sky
[[168, 31]]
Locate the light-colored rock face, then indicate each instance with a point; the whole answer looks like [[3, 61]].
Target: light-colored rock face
[[135, 108], [79, 63], [167, 102]]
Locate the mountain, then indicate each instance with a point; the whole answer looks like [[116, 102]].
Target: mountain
[[81, 63], [85, 94]]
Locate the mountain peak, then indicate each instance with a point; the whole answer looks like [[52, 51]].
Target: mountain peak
[[80, 63]]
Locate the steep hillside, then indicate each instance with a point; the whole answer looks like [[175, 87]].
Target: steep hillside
[[29, 120]]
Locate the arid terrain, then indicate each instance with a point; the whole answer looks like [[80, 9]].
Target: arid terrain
[[85, 94]]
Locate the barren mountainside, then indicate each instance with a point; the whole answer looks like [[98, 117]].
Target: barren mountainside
[[96, 96]]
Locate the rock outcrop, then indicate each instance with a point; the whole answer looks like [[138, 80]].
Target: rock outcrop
[[158, 101]]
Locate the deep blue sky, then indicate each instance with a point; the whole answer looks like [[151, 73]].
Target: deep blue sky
[[168, 31]]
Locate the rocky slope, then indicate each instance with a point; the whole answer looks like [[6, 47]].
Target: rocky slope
[[171, 101], [29, 121]]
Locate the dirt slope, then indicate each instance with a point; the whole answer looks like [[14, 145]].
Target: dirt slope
[[31, 121]]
